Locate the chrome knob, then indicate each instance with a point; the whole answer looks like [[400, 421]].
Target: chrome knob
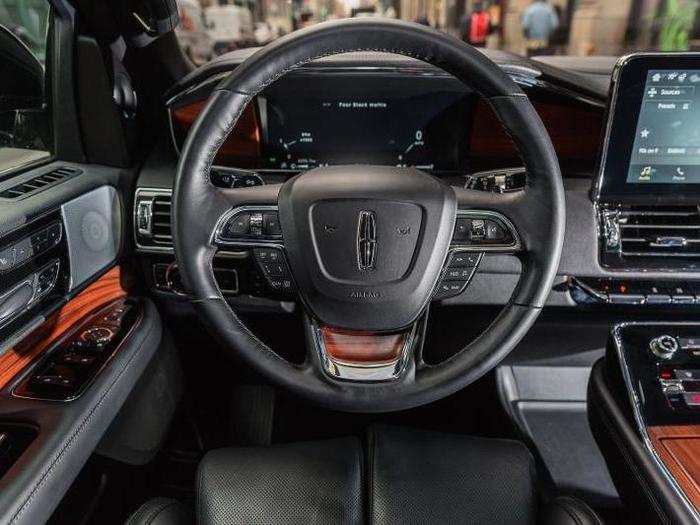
[[99, 335], [664, 346]]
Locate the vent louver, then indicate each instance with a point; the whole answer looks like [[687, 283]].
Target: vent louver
[[39, 183], [162, 231], [651, 236], [152, 225]]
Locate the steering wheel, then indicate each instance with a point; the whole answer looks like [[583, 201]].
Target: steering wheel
[[365, 247]]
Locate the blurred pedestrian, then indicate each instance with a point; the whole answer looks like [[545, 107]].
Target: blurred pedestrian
[[476, 26], [539, 21]]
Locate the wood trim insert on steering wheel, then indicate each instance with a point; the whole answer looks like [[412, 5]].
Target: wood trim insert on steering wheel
[[105, 290], [363, 347]]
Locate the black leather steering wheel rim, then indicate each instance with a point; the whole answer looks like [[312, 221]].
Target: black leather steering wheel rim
[[539, 212]]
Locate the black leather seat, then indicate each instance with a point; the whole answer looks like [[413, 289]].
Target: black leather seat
[[161, 511], [404, 476]]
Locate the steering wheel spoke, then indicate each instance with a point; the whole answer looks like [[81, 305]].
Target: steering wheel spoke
[[256, 227], [491, 222], [364, 356]]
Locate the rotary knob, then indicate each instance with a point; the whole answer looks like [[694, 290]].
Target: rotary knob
[[664, 346], [99, 335]]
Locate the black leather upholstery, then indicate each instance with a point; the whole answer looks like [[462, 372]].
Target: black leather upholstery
[[566, 510], [410, 476], [427, 477], [311, 483], [161, 511]]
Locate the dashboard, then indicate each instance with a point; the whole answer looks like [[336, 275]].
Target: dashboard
[[398, 117], [628, 241]]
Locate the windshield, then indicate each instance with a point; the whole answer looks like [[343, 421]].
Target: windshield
[[525, 27]]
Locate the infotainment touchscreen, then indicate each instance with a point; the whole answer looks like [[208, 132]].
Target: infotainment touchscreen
[[667, 138], [652, 142]]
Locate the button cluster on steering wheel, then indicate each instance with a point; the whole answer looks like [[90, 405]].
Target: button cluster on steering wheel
[[275, 269], [251, 224]]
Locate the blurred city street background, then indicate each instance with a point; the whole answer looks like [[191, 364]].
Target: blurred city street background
[[563, 27], [583, 27]]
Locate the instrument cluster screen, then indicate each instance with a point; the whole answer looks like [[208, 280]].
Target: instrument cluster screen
[[666, 148], [375, 128]]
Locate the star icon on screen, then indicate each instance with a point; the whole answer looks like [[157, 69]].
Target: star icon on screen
[[644, 133]]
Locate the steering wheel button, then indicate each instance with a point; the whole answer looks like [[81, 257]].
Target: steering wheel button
[[469, 259], [449, 289], [256, 224], [271, 223], [238, 225], [494, 231], [478, 229], [7, 259], [262, 255], [278, 269], [462, 229], [454, 274]]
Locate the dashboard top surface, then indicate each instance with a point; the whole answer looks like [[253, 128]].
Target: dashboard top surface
[[396, 111]]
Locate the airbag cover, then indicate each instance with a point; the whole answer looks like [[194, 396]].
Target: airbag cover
[[366, 243]]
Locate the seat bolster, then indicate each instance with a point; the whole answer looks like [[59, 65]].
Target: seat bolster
[[161, 511], [567, 510]]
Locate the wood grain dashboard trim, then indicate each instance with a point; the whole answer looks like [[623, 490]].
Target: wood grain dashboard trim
[[105, 290], [242, 143], [678, 447]]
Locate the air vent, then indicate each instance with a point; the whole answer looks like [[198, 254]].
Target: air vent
[[40, 183], [665, 235], [152, 220], [162, 231]]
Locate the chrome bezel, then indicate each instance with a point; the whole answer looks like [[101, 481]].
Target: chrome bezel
[[152, 193]]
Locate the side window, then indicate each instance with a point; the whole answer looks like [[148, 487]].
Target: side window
[[25, 123]]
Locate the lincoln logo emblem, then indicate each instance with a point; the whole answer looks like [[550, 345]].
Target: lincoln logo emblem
[[366, 240]]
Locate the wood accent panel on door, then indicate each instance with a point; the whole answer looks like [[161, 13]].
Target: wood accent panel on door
[[103, 291], [678, 446]]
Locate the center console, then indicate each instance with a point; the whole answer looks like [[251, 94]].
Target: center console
[[644, 407]]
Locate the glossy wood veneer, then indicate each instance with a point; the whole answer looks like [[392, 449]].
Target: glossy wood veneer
[[362, 347], [103, 291], [242, 142], [678, 446]]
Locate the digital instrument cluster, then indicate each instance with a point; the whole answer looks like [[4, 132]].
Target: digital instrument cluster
[[385, 129]]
